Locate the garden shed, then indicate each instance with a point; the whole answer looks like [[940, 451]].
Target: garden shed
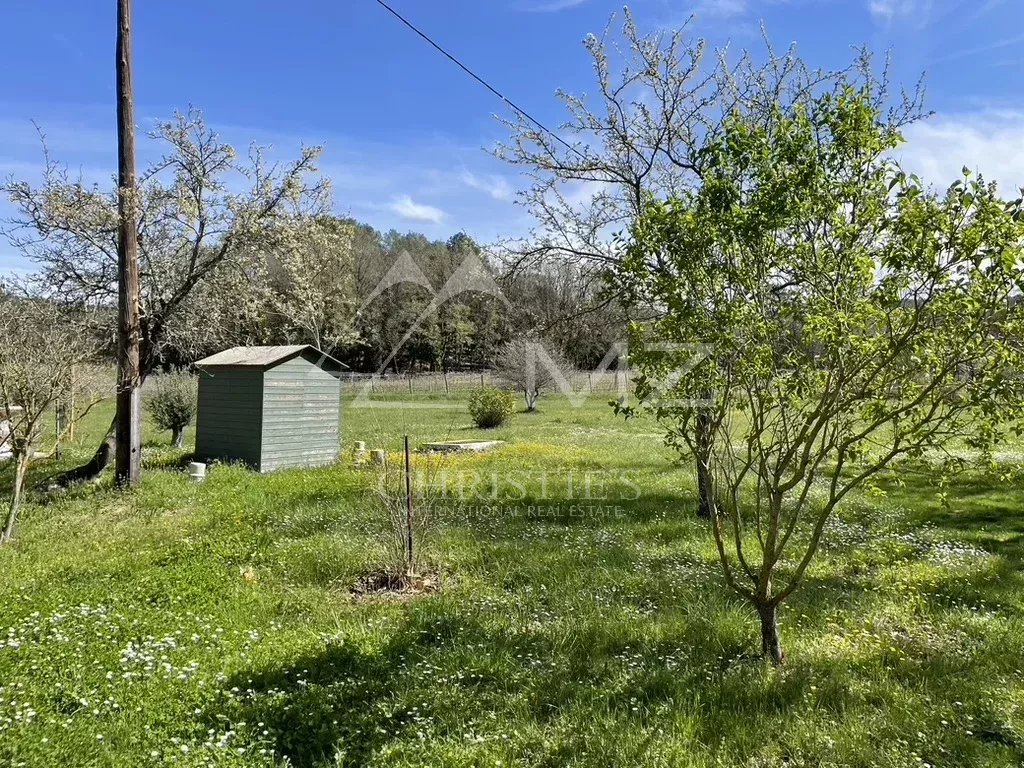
[[269, 407]]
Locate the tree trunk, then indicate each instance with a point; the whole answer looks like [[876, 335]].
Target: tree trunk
[[19, 484], [178, 437], [704, 489], [771, 643]]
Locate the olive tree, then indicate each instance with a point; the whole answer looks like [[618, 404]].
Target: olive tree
[[46, 361], [200, 206], [171, 402], [825, 315]]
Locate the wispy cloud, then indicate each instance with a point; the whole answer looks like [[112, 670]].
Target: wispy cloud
[[976, 50], [553, 6], [492, 184], [407, 208], [889, 10], [720, 9], [986, 142], [986, 8]]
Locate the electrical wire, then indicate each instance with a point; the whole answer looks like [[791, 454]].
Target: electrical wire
[[478, 78]]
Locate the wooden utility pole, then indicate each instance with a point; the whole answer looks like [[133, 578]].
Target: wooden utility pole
[[128, 427]]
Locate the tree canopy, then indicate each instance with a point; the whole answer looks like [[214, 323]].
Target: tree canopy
[[824, 316]]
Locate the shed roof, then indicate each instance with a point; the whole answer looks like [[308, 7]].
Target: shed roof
[[263, 357]]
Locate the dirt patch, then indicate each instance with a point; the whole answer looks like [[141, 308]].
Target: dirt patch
[[387, 584]]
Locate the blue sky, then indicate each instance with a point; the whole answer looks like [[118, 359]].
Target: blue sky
[[405, 131]]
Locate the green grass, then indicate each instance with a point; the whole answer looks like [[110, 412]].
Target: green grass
[[214, 624]]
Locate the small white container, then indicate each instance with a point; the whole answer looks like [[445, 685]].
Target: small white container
[[197, 471]]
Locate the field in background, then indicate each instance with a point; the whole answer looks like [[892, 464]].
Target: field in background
[[608, 382], [215, 624]]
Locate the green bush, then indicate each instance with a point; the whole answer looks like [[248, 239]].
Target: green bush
[[490, 407], [171, 403]]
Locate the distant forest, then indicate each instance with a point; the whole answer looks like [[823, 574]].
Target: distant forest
[[359, 292]]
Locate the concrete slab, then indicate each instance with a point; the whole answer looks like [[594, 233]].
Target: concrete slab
[[463, 446]]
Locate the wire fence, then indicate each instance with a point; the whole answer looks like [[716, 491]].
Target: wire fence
[[447, 383]]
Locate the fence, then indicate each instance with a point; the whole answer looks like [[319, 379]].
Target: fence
[[446, 383]]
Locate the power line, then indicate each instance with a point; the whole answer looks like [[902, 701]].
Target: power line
[[479, 79]]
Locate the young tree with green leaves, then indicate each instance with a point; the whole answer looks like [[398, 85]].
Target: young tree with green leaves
[[659, 100], [825, 315]]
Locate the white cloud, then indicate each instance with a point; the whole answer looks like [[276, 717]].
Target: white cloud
[[555, 5], [720, 9], [494, 185], [986, 142], [887, 10], [407, 208]]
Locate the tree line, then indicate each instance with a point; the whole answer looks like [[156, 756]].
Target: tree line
[[271, 265], [392, 302]]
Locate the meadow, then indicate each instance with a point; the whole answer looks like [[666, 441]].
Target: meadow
[[582, 618]]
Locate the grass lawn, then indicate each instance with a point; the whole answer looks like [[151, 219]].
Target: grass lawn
[[215, 624]]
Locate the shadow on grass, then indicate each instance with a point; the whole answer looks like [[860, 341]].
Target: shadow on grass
[[316, 705], [979, 508], [440, 671]]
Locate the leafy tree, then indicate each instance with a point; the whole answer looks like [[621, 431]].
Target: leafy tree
[[171, 403], [311, 288], [294, 285], [659, 100], [847, 318]]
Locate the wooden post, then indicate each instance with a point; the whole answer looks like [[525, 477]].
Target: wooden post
[[410, 564], [58, 428], [71, 407], [128, 429], [410, 383]]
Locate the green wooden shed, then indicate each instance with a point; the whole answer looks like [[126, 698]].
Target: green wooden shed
[[269, 407]]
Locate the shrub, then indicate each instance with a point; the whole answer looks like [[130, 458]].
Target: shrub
[[490, 407], [171, 403]]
